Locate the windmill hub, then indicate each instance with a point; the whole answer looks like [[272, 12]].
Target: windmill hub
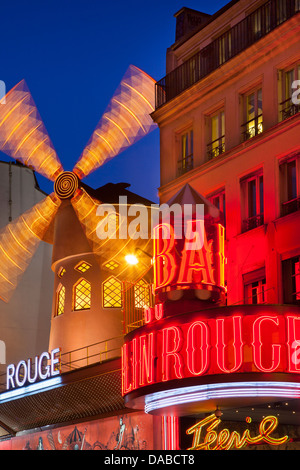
[[66, 184]]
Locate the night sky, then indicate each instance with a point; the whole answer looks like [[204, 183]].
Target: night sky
[[73, 54]]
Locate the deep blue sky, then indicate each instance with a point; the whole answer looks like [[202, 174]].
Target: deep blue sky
[[73, 54]]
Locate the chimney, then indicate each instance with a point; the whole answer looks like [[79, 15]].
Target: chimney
[[188, 20]]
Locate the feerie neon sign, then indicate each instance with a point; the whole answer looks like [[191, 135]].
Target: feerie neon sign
[[255, 339], [226, 440], [43, 367]]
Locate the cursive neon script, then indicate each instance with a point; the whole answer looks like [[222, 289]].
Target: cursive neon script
[[224, 440]]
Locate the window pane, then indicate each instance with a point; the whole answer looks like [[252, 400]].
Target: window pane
[[214, 128], [291, 180], [259, 102], [288, 83], [261, 195], [112, 293], [252, 198], [82, 295], [141, 294], [61, 300], [250, 107], [184, 146], [191, 142]]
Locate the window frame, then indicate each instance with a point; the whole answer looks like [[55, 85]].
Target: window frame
[[216, 146], [287, 108], [289, 205], [75, 295], [186, 151], [59, 290], [252, 126], [103, 293], [252, 214]]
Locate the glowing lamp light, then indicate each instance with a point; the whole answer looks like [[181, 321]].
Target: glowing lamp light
[[131, 259]]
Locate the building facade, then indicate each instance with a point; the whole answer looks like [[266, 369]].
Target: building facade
[[25, 320], [233, 136]]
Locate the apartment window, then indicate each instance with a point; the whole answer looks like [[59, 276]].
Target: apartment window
[[290, 202], [255, 287], [216, 145], [253, 114], [112, 293], [60, 300], [218, 200], [252, 189], [82, 295], [286, 107], [291, 280], [186, 161]]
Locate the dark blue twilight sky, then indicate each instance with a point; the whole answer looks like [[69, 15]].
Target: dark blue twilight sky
[[73, 54]]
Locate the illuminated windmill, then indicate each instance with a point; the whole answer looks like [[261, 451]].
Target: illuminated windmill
[[55, 219]]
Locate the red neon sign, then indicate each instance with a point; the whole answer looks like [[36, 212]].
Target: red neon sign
[[260, 340], [196, 262]]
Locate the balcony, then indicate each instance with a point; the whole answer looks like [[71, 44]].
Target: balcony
[[290, 206], [252, 128], [215, 148], [185, 164], [288, 109], [241, 36], [253, 222]]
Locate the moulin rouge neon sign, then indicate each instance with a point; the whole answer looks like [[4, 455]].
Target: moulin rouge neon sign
[[255, 339], [226, 440]]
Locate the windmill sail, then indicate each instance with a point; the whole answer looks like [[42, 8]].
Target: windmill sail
[[19, 241], [125, 121], [23, 135]]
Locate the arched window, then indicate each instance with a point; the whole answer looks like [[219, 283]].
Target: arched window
[[60, 300], [112, 293], [141, 294], [82, 295]]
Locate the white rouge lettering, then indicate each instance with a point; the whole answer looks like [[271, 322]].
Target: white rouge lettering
[[31, 371]]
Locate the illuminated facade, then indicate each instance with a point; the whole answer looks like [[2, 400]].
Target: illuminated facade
[[228, 114], [157, 355]]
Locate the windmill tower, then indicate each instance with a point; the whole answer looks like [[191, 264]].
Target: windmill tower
[[81, 260]]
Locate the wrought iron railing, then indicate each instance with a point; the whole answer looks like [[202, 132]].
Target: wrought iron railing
[[253, 222], [82, 357], [288, 109], [290, 206], [252, 127], [238, 38], [185, 164], [215, 148]]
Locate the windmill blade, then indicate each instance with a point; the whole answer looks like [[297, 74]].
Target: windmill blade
[[23, 135], [86, 210], [19, 241], [115, 246], [126, 120]]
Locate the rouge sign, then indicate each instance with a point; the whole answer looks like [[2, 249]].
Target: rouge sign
[[193, 345], [43, 367]]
